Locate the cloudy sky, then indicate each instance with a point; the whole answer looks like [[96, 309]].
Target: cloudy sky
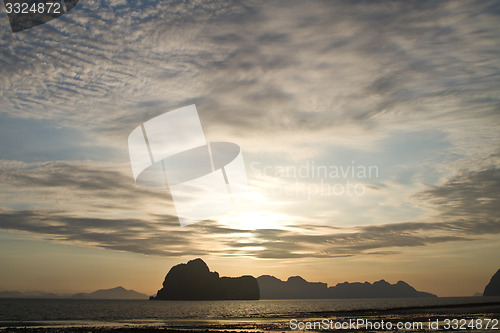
[[408, 90]]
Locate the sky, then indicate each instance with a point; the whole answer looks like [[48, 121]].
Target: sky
[[369, 131]]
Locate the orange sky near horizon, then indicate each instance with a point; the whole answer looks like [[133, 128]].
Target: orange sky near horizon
[[67, 269]]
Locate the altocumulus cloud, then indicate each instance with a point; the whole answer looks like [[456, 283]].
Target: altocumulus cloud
[[346, 65]]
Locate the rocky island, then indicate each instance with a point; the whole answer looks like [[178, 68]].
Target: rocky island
[[194, 281], [493, 288]]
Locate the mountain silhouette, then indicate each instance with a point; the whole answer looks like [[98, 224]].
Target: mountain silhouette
[[30, 294], [298, 288], [379, 289], [493, 288], [295, 287], [114, 293], [194, 281]]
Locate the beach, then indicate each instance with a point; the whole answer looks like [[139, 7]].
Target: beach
[[441, 315]]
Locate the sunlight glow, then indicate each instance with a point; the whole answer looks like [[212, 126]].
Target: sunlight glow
[[246, 220]]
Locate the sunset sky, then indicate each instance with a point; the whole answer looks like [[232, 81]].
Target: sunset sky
[[409, 90]]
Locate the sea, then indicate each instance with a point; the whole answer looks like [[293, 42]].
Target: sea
[[252, 316]]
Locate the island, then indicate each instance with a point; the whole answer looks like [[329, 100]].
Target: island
[[194, 281], [298, 288], [493, 288]]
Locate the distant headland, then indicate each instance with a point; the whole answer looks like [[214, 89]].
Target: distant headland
[[118, 293], [298, 288], [194, 281]]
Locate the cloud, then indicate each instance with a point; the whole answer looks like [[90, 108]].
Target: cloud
[[130, 235], [259, 70], [96, 205], [467, 205], [82, 187], [291, 79], [470, 195], [162, 236]]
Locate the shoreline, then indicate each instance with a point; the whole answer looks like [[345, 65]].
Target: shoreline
[[266, 323], [254, 325]]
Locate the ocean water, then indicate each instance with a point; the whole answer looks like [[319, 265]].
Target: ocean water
[[268, 314]]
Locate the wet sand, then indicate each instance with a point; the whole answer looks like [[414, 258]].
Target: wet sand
[[461, 312]]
